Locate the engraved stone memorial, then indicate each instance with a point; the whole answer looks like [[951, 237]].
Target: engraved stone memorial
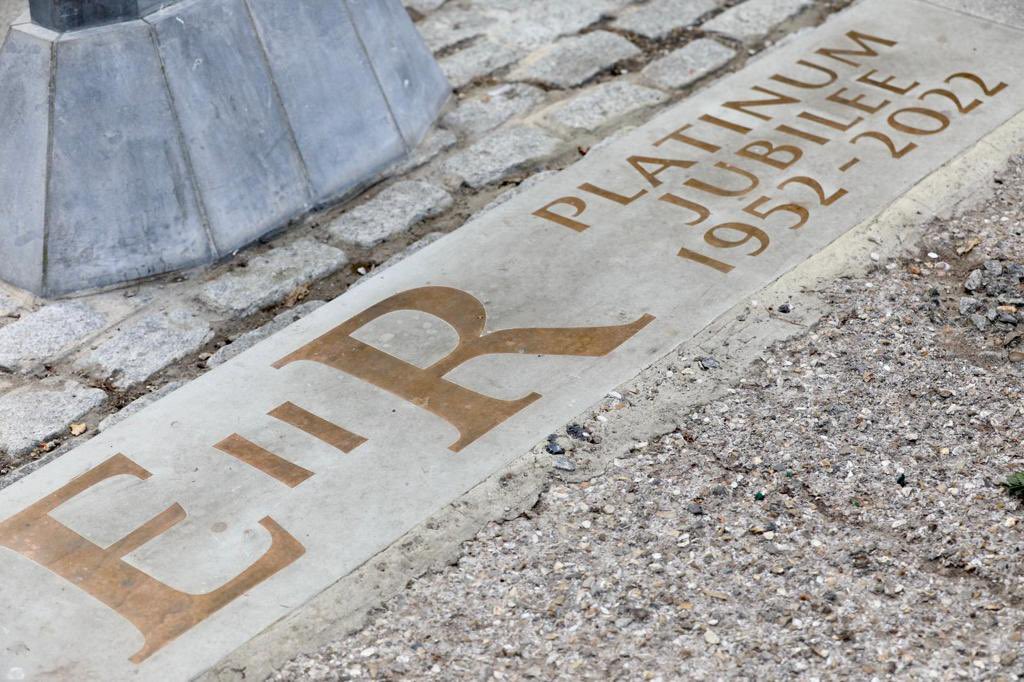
[[138, 137], [162, 545]]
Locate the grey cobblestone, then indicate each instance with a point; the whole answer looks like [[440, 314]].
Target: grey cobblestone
[[658, 18], [33, 414], [450, 26], [603, 105], [499, 155], [572, 61], [250, 339], [476, 61], [142, 346], [755, 19], [44, 335], [268, 278], [533, 24], [486, 112], [689, 64], [391, 212], [138, 405]]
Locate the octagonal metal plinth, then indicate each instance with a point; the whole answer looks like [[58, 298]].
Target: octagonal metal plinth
[[153, 144]]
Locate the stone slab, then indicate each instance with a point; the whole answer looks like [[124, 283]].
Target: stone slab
[[316, 86], [602, 106], [136, 183], [250, 176], [251, 338], [489, 110], [480, 59], [345, 430], [1002, 11], [504, 152], [25, 109]]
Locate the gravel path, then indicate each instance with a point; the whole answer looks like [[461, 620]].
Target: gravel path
[[838, 514]]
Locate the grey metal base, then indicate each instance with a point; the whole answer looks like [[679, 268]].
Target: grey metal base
[[141, 147]]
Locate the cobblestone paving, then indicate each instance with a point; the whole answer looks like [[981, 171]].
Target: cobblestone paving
[[538, 82], [836, 514]]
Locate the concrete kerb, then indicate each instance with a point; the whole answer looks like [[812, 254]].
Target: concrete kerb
[[346, 605]]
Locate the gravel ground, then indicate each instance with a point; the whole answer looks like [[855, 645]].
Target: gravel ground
[[837, 514]]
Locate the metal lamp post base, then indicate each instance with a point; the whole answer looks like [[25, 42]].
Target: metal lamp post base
[[169, 140]]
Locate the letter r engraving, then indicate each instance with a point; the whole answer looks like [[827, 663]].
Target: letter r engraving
[[472, 413], [160, 612]]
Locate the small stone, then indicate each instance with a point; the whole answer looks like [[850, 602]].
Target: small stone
[[39, 412], [565, 464], [501, 154], [707, 363], [756, 18], [901, 480], [689, 64], [575, 60], [980, 322], [251, 338], [78, 429], [603, 105], [969, 305], [268, 278], [711, 638], [759, 496], [1016, 356], [993, 267], [554, 448], [396, 209], [658, 18], [138, 405], [46, 334], [785, 308], [141, 347], [974, 281], [695, 509], [480, 59], [486, 112], [576, 431]]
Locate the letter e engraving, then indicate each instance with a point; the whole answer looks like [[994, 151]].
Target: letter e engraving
[[160, 612], [472, 413]]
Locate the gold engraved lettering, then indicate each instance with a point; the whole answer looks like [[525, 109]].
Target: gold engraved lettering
[[661, 165], [857, 102], [611, 196], [575, 203], [728, 125], [721, 191], [774, 100], [765, 152], [320, 428], [887, 83], [160, 612], [272, 465], [677, 136], [472, 414], [786, 80], [865, 51], [700, 211]]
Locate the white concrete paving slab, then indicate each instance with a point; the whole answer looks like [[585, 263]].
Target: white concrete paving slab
[[158, 547]]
